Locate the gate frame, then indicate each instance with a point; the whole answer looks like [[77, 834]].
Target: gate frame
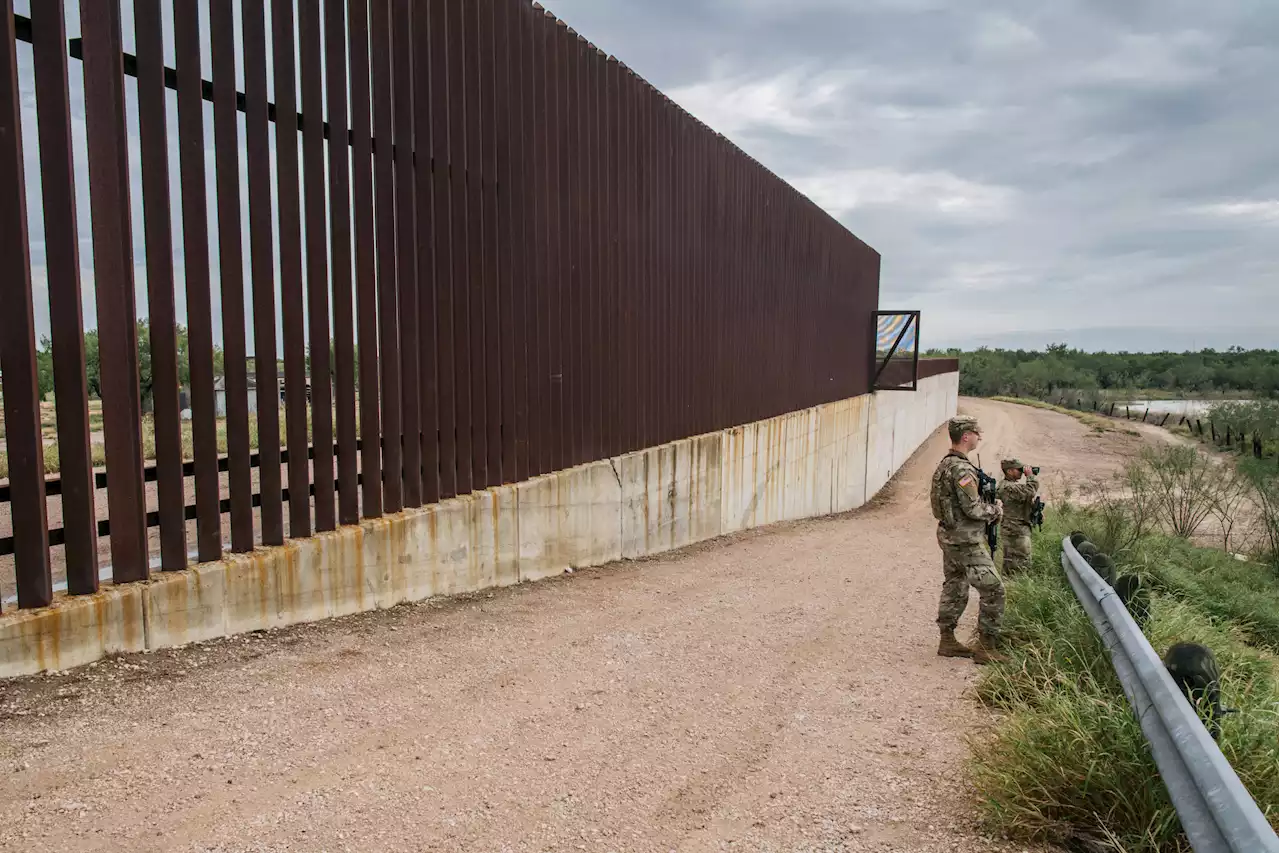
[[915, 361]]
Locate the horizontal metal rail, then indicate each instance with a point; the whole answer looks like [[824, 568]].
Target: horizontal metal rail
[[1217, 813]]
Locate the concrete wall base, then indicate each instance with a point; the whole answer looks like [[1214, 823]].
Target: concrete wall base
[[819, 461]]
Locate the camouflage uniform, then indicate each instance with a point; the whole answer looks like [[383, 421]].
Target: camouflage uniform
[[962, 521], [1015, 528]]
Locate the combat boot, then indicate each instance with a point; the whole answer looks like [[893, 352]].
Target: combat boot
[[950, 647], [985, 650]]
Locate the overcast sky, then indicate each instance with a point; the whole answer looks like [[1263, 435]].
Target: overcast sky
[[1093, 171], [1097, 172]]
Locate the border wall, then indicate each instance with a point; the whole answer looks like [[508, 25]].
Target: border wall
[[818, 461]]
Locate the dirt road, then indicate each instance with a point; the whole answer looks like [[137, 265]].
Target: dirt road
[[774, 691]]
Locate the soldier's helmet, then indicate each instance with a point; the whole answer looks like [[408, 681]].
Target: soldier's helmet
[[960, 424]]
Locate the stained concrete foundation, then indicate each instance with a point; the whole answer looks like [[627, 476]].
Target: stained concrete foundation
[[819, 461]]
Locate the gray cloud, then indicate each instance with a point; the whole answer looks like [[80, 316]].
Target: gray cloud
[[1096, 172]]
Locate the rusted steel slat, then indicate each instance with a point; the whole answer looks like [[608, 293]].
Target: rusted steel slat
[[598, 225], [290, 229], [521, 184], [680, 196], [700, 388], [673, 222], [62, 263], [658, 329], [388, 326], [607, 174], [676, 306], [611, 315], [485, 32], [429, 442], [459, 221], [714, 287], [261, 270], [596, 352], [231, 270], [470, 50], [695, 276], [558, 282], [637, 168], [660, 343], [344, 336], [24, 444], [589, 240], [366, 272], [627, 212], [655, 333], [574, 178], [445, 250], [406, 253], [671, 328], [653, 336], [733, 241], [505, 109], [538, 215], [339, 246], [113, 282], [319, 340], [195, 250]]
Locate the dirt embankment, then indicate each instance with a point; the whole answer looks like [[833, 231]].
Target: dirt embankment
[[774, 691]]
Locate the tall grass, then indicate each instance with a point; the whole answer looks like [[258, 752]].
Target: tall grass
[[1218, 586], [1068, 762]]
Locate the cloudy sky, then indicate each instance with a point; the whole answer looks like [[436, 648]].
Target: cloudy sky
[[1093, 171]]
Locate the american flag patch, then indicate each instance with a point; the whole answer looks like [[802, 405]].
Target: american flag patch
[[966, 481]]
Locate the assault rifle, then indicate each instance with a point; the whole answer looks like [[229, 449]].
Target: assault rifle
[[987, 492], [1037, 508], [1037, 513]]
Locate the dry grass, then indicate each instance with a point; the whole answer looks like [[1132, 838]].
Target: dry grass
[[98, 450]]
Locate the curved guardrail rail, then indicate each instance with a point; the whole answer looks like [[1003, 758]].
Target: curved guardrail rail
[[1216, 811]]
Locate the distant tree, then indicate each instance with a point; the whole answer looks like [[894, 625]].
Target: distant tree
[[93, 373], [1058, 369]]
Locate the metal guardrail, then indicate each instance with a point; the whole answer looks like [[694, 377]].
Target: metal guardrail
[[1216, 811]]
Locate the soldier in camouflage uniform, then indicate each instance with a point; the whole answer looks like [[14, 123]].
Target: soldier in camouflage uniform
[[1015, 527], [962, 520]]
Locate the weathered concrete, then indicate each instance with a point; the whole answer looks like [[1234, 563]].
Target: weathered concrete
[[826, 459], [671, 495], [569, 519], [72, 632]]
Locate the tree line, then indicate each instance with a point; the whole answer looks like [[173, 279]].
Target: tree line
[[1059, 369], [44, 362], [92, 365]]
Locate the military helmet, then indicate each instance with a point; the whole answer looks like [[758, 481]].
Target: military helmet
[[960, 424]]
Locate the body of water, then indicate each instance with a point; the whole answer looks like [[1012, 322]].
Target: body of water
[[1178, 408]]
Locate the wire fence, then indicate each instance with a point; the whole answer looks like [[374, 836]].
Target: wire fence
[[507, 251]]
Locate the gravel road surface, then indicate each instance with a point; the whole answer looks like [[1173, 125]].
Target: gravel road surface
[[772, 691]]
